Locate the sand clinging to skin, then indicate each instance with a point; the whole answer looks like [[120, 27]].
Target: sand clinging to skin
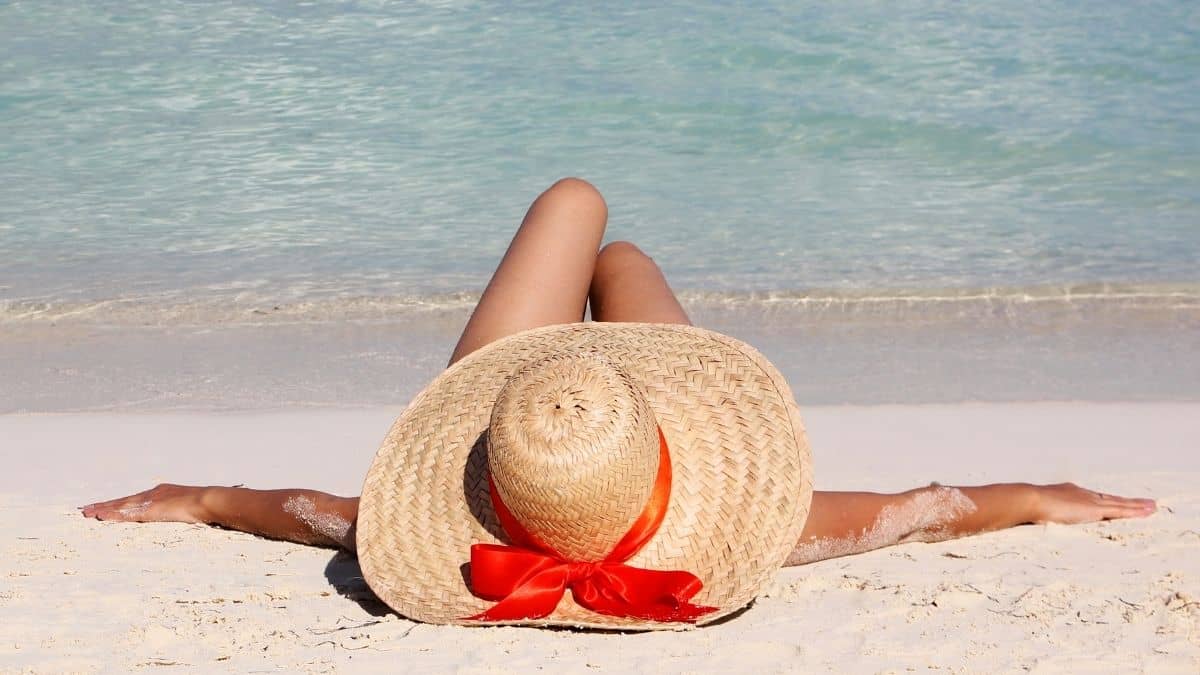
[[924, 516], [134, 510], [330, 525]]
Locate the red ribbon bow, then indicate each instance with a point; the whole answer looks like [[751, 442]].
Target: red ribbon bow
[[529, 578]]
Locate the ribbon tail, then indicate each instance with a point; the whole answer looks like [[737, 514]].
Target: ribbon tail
[[527, 585], [620, 590], [534, 599]]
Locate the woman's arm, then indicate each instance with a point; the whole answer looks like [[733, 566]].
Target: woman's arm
[[302, 516], [841, 523]]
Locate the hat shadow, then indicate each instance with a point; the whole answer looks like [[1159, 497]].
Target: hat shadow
[[476, 492], [478, 497], [344, 574]]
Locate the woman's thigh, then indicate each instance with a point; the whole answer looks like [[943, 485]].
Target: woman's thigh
[[544, 276], [629, 286]]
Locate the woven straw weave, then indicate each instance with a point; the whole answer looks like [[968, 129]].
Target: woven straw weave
[[740, 493]]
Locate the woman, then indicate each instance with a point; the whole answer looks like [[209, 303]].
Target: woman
[[551, 272]]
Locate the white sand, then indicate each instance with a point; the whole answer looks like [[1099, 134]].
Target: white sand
[[77, 595]]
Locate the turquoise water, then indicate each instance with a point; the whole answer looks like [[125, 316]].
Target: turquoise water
[[178, 153]]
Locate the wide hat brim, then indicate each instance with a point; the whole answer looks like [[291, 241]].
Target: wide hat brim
[[740, 493]]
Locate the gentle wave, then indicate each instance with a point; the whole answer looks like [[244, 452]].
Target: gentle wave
[[923, 304]]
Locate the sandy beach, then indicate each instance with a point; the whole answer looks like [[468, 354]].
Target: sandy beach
[[83, 596]]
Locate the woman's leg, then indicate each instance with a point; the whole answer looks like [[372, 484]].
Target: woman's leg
[[628, 286], [543, 278]]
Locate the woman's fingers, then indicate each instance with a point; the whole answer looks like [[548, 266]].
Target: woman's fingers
[[1125, 504], [1124, 507], [1113, 507], [1069, 503], [129, 508], [166, 502]]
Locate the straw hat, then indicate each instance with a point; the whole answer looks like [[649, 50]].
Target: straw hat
[[574, 428]]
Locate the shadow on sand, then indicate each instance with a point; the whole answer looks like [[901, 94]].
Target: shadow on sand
[[343, 573]]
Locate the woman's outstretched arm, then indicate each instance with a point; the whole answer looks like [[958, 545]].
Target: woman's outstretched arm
[[842, 523], [302, 516]]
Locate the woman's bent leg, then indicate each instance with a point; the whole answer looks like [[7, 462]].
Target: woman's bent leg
[[629, 286], [543, 278]]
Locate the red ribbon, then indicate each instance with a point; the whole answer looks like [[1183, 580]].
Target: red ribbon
[[529, 578]]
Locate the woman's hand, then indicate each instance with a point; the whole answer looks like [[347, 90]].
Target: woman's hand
[[163, 503], [1069, 504]]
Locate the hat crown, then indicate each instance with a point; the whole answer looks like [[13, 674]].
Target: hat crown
[[573, 451]]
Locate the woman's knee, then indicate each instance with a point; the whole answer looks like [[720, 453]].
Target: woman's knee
[[620, 255], [575, 193], [628, 285]]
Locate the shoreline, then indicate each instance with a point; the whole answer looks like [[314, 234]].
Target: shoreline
[[831, 354], [214, 306], [82, 596]]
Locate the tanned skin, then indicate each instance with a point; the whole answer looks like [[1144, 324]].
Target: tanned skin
[[551, 272]]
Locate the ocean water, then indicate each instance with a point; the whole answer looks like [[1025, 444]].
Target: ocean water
[[190, 165]]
